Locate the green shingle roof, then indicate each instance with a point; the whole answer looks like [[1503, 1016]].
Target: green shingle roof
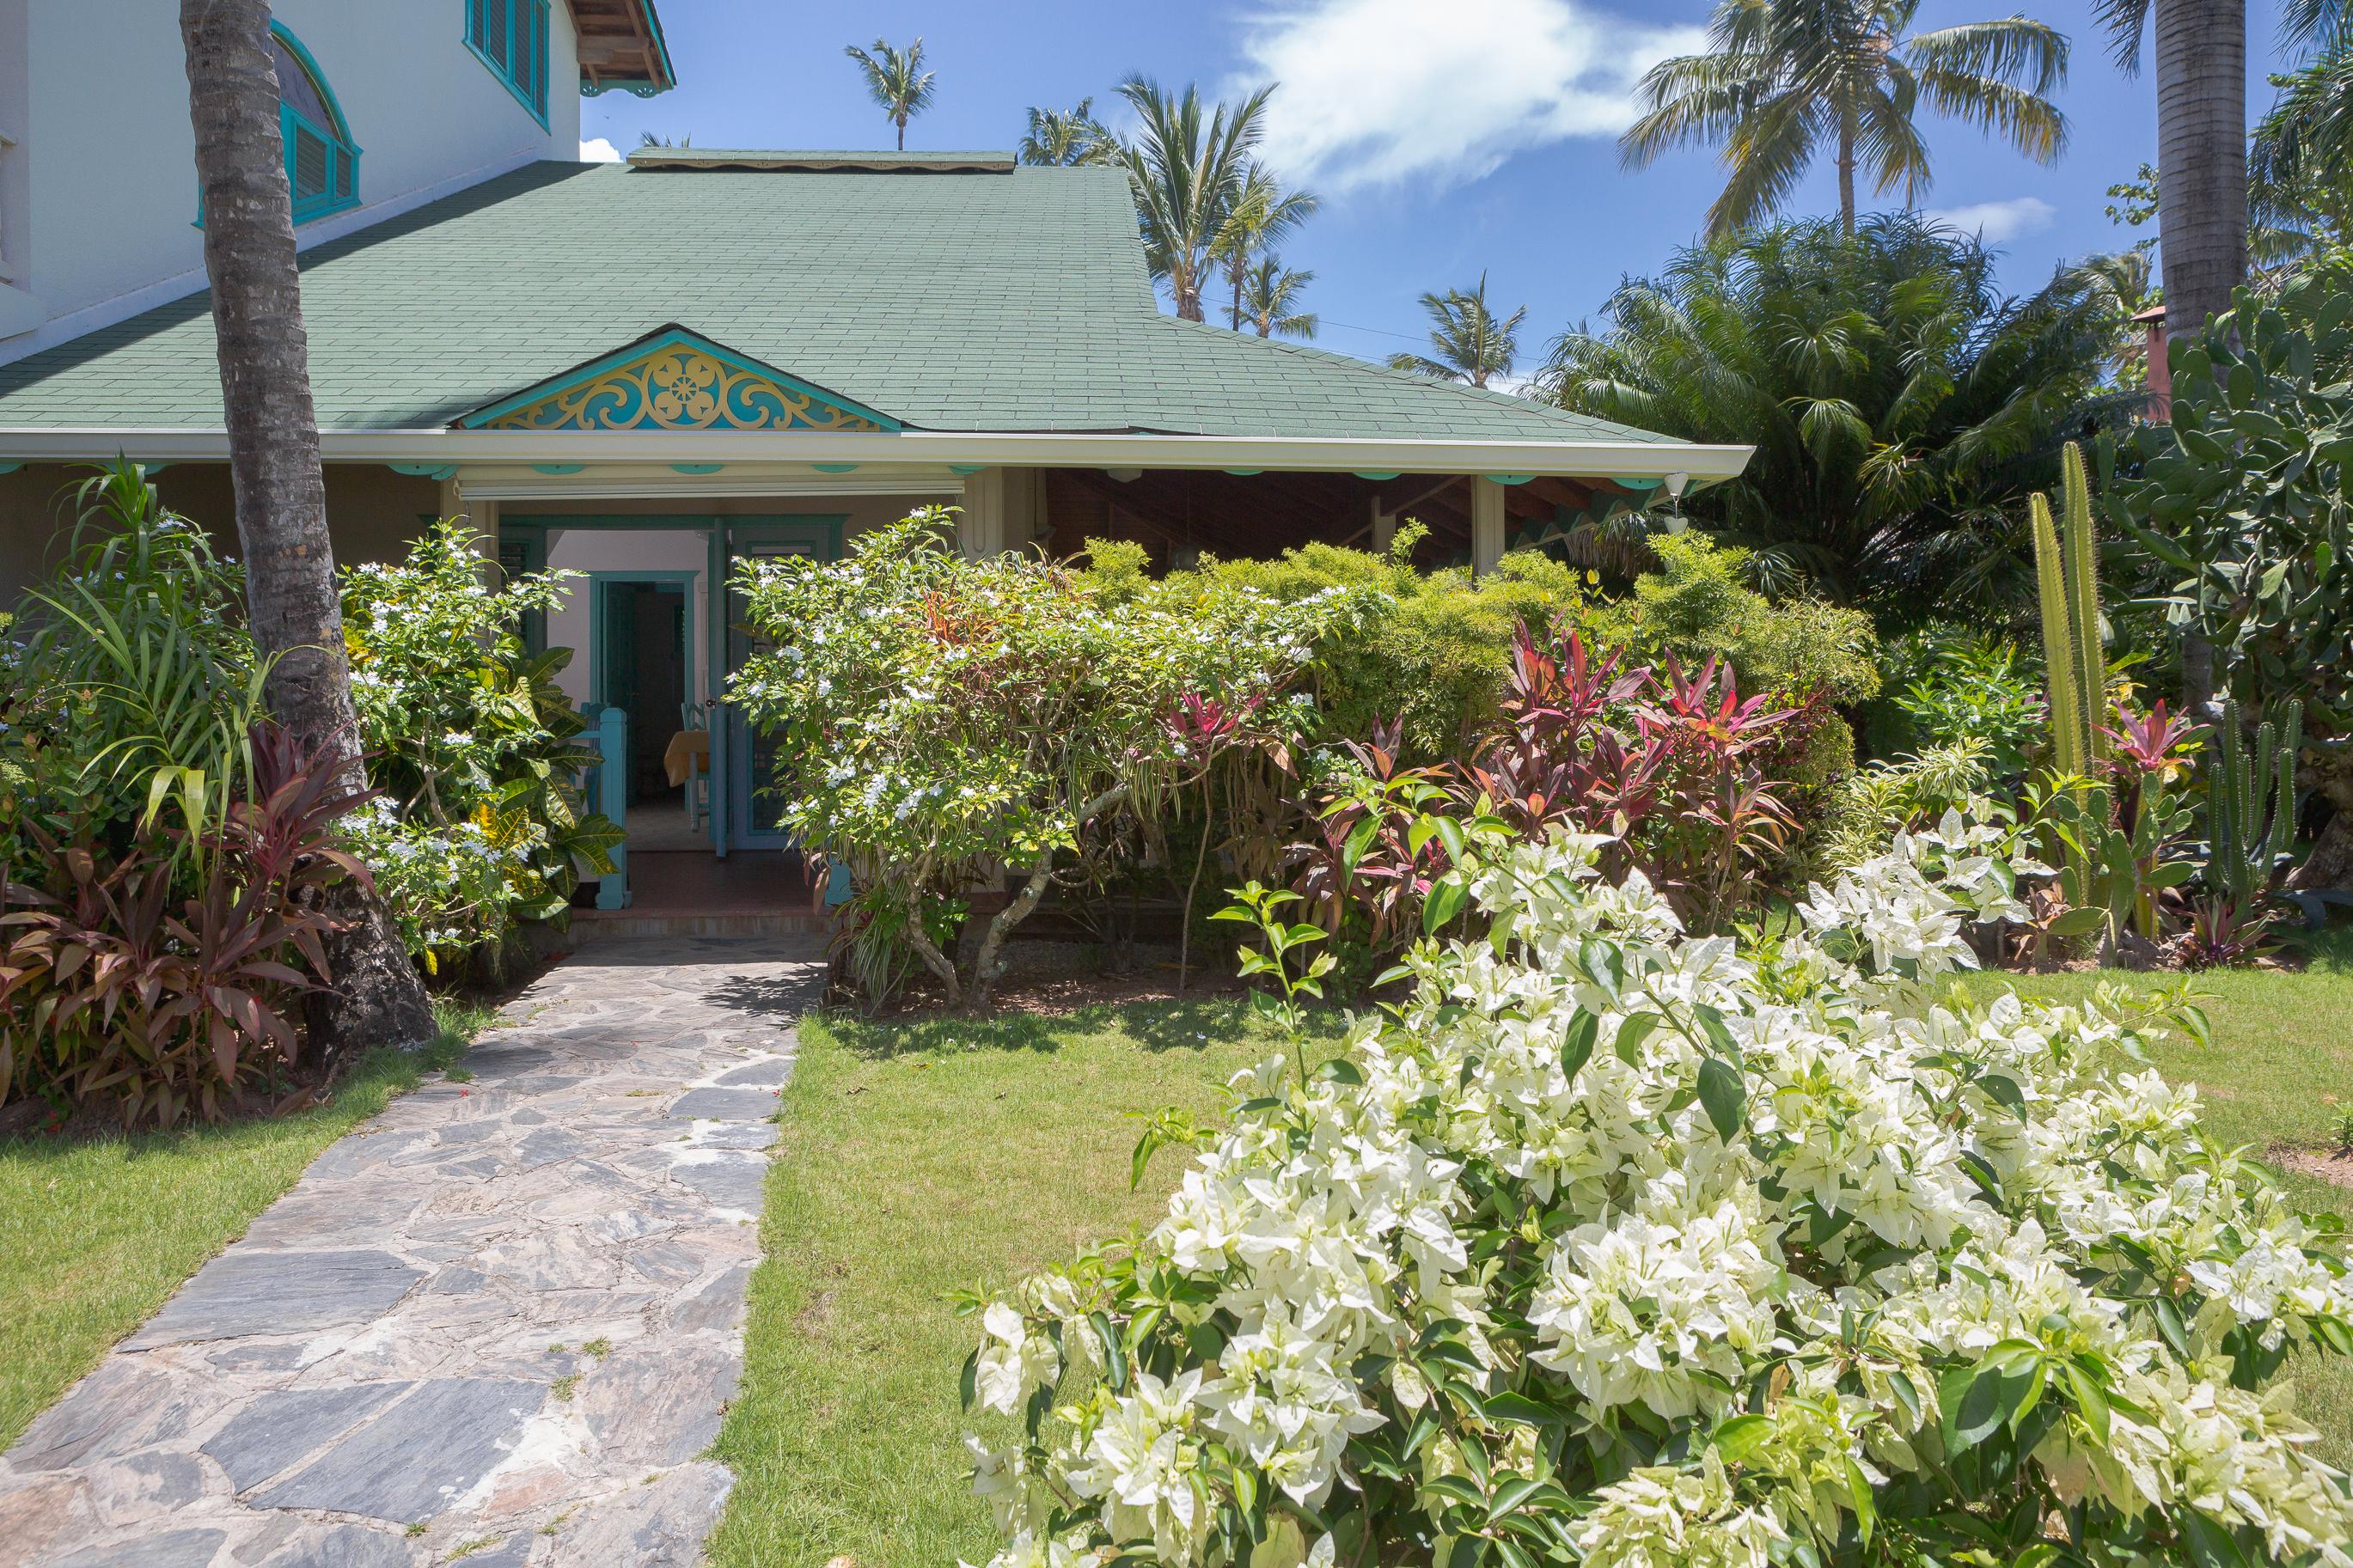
[[1013, 301]]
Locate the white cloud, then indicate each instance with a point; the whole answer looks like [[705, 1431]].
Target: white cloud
[[1994, 222], [1380, 91], [597, 150]]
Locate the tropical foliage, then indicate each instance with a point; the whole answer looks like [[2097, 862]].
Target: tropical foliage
[[1468, 342], [1187, 164], [896, 80], [941, 719], [2238, 513], [1785, 82], [166, 980], [479, 822], [1068, 138], [1900, 405], [1270, 302], [1616, 1248]]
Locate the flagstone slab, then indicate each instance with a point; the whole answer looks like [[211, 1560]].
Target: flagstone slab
[[504, 1317]]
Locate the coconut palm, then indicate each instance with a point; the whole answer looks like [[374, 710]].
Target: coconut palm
[[293, 608], [1471, 345], [2201, 127], [1271, 294], [1263, 212], [1187, 165], [1785, 80], [1901, 405], [1066, 138], [896, 81]]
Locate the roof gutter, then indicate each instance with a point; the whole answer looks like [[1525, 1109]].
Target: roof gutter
[[1569, 459]]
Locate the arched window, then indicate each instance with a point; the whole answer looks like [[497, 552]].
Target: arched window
[[322, 163]]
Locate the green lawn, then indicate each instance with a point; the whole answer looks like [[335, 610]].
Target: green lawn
[[919, 1158], [95, 1233]]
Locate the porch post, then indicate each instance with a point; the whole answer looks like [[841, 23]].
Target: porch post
[[980, 526], [1486, 524], [1384, 529], [723, 780]]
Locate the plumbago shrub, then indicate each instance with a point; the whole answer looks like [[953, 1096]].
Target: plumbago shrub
[[941, 719], [1614, 1247], [478, 824]]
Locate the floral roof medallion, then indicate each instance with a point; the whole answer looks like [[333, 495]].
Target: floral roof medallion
[[677, 380]]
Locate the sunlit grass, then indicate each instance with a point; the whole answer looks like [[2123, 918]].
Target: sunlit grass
[[915, 1159], [96, 1233]]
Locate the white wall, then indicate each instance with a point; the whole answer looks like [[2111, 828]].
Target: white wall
[[106, 161]]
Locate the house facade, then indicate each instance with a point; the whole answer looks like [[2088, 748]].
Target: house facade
[[645, 372]]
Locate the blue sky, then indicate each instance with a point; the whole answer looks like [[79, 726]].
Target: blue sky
[[1446, 136]]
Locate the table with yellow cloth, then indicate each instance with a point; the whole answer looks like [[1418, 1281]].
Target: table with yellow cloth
[[687, 754]]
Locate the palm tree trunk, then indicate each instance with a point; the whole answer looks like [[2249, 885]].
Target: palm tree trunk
[[292, 604], [1234, 265], [2201, 200], [902, 133], [1185, 283], [1846, 172]]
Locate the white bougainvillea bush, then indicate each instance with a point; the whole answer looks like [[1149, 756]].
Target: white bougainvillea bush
[[1612, 1247]]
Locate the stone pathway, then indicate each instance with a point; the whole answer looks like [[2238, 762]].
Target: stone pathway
[[497, 1323]]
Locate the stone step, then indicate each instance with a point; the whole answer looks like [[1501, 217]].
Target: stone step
[[604, 925]]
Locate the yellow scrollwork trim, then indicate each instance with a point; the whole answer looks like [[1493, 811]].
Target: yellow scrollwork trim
[[679, 388]]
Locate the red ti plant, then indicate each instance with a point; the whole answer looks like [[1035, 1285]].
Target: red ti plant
[[1723, 813], [1555, 759], [1361, 855], [111, 988]]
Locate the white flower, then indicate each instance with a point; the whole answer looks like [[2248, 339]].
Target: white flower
[[1013, 1362]]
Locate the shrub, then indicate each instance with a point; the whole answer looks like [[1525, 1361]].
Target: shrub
[[1433, 650], [1945, 684], [479, 823], [1612, 1247], [1426, 649], [133, 676], [945, 718], [112, 987]]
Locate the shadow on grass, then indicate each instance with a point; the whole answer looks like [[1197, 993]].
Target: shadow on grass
[[1166, 1025]]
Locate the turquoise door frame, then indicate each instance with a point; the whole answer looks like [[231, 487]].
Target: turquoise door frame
[[599, 687], [725, 539]]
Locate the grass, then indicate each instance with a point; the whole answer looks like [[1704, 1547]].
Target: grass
[[916, 1158], [96, 1233], [920, 1158]]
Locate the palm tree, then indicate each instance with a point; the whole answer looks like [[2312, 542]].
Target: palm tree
[[648, 138], [1472, 346], [2201, 127], [1068, 138], [1187, 166], [1271, 294], [1784, 79], [293, 608], [1901, 405], [1263, 212], [896, 81]]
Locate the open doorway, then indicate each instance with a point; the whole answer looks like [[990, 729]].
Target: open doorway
[[644, 654]]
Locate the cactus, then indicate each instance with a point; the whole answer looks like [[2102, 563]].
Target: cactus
[[2068, 585], [2242, 786]]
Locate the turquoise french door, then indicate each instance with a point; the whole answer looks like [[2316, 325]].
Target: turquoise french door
[[755, 804]]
